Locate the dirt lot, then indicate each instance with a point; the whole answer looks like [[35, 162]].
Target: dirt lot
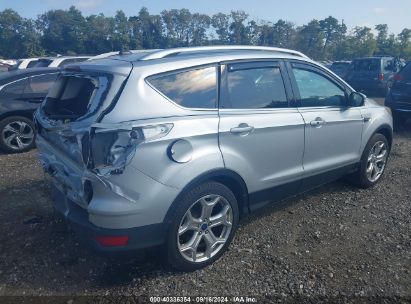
[[337, 242]]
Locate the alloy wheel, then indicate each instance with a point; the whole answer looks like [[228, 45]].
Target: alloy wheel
[[376, 161], [205, 228], [17, 135]]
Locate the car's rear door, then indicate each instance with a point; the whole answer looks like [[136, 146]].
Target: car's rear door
[[332, 130], [261, 137]]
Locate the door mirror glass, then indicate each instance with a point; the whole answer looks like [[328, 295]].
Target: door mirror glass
[[356, 99]]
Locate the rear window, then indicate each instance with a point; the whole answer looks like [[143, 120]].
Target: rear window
[[195, 88], [366, 65], [42, 63], [70, 97], [32, 64]]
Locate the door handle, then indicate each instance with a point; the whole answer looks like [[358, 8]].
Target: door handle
[[242, 128], [318, 122]]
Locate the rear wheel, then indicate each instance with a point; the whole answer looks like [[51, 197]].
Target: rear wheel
[[373, 162], [203, 226], [16, 134]]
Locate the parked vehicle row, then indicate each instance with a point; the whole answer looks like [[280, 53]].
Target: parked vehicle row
[[52, 62], [373, 73], [172, 147]]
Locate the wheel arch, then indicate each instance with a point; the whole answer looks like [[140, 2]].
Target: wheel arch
[[387, 131], [227, 177], [23, 113]]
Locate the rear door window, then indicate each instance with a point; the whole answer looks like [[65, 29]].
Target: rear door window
[[253, 86], [40, 84], [196, 88], [14, 89]]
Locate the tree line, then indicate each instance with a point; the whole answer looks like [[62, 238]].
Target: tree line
[[68, 32]]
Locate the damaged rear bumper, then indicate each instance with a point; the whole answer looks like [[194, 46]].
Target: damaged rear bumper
[[138, 238], [130, 204]]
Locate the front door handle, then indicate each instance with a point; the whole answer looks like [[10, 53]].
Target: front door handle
[[318, 122], [242, 128]]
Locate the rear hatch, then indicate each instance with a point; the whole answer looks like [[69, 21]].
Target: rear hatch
[[80, 98], [364, 73]]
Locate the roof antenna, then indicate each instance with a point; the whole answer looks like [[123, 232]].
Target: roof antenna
[[124, 51]]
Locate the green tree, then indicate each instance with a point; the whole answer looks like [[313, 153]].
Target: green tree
[[63, 31], [121, 32], [18, 36], [199, 24], [333, 33], [238, 31], [99, 34], [220, 23], [310, 39], [404, 39]]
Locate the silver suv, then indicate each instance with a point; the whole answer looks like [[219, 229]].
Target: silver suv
[[172, 147]]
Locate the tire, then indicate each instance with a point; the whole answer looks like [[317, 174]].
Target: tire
[[363, 178], [17, 134], [188, 232]]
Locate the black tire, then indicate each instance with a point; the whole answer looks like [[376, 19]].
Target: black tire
[[360, 178], [175, 257], [28, 144]]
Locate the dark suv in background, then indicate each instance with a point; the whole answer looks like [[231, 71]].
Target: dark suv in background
[[399, 96], [373, 74], [340, 67], [21, 92]]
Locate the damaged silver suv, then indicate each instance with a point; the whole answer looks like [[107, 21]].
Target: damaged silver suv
[[172, 147]]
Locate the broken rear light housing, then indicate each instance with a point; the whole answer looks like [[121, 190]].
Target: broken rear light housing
[[113, 149]]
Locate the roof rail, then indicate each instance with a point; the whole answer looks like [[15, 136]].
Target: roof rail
[[172, 52]]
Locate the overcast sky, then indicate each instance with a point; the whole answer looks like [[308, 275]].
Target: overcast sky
[[397, 14]]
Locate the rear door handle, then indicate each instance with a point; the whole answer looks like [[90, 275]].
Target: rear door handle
[[318, 122], [242, 128]]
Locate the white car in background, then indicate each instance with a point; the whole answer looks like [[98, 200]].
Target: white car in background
[[114, 53], [58, 62], [24, 63]]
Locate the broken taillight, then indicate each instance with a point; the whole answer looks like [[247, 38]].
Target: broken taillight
[[113, 147]]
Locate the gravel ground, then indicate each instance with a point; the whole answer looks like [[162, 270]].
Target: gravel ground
[[337, 242]]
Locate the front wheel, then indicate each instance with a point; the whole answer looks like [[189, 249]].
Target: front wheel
[[373, 162], [203, 226]]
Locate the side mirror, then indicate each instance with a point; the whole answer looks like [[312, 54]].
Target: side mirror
[[356, 99]]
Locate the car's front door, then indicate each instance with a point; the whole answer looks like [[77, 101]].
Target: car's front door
[[261, 137], [333, 130]]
